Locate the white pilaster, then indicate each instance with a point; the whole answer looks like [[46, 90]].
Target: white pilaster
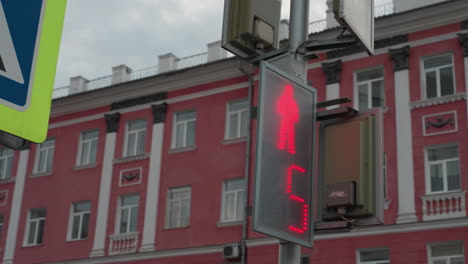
[[466, 81], [152, 193], [104, 196], [8, 256], [333, 92], [404, 137]]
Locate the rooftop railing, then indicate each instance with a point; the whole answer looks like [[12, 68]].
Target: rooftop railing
[[194, 60]]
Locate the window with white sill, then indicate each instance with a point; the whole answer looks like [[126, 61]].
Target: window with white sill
[[446, 253], [87, 150], [442, 169], [178, 207], [183, 134], [237, 119], [373, 256], [44, 156], [369, 88], [438, 76], [127, 213], [233, 201], [6, 163], [79, 221], [35, 227], [135, 138]]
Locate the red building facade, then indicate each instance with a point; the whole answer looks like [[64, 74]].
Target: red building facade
[[154, 170]]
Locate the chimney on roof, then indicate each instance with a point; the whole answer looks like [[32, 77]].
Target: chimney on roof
[[283, 30], [331, 21], [121, 73], [405, 5], [215, 51], [167, 62], [78, 84]]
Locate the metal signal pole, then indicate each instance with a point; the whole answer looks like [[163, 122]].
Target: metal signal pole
[[290, 253]]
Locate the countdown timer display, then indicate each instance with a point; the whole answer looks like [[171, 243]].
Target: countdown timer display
[[285, 156]]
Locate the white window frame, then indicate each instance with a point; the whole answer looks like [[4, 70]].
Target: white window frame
[[358, 256], [185, 122], [437, 69], [80, 222], [239, 119], [83, 141], [47, 150], [169, 208], [432, 259], [428, 164], [6, 158], [29, 221], [369, 86], [137, 133], [121, 208], [223, 201]]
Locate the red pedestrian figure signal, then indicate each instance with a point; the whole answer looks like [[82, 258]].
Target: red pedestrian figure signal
[[289, 114]]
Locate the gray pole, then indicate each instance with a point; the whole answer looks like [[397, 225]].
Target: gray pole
[[299, 24]]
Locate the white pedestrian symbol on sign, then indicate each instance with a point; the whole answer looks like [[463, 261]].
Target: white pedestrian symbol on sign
[[9, 65]]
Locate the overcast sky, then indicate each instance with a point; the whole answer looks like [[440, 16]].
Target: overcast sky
[[100, 34]]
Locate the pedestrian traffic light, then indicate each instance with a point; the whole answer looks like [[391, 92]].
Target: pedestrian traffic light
[[251, 27], [285, 154], [351, 174]]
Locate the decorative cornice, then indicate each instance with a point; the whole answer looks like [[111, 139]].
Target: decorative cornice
[[332, 71], [112, 121], [159, 113], [379, 44], [400, 58], [438, 100], [139, 101], [464, 24], [463, 38]]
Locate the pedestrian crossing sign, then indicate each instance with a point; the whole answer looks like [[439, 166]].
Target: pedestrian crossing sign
[[30, 35]]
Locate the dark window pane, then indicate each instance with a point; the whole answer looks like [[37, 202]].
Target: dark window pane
[[431, 84], [437, 180], [447, 250], [363, 98], [441, 153], [81, 207], [32, 233], [40, 232], [377, 93], [437, 61], [124, 221], [453, 175], [374, 255], [84, 228], [446, 81], [369, 75], [75, 227]]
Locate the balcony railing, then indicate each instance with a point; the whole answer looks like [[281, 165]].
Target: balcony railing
[[121, 244], [444, 206]]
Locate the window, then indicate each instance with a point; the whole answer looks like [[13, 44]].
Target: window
[[6, 163], [79, 221], [370, 89], [178, 207], [88, 148], [1, 224], [442, 169], [184, 129], [373, 256], [438, 76], [128, 213], [233, 200], [45, 156], [35, 227], [446, 253], [237, 119], [135, 139]]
